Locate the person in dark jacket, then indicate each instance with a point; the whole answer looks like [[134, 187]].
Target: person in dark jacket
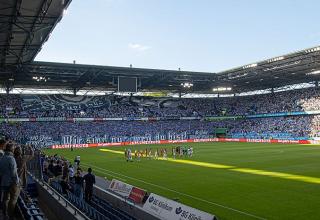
[[65, 185], [89, 180]]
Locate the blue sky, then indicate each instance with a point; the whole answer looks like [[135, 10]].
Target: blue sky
[[195, 35]]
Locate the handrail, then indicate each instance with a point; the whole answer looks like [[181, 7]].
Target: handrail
[[54, 192]]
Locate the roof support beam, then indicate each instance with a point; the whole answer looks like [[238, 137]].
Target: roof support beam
[[16, 13], [85, 78], [42, 12]]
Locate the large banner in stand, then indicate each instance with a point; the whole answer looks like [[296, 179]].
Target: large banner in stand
[[120, 188], [167, 209]]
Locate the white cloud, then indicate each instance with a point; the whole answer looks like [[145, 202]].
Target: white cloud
[[138, 47]]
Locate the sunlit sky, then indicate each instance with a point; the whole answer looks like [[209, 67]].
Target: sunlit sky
[[195, 35]]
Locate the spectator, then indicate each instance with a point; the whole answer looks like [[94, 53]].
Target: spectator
[[2, 145], [58, 170], [65, 170], [65, 185], [89, 180], [21, 159], [10, 182], [71, 173], [78, 184], [51, 169]]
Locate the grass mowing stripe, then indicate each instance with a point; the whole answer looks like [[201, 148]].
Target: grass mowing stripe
[[281, 175], [288, 176], [177, 192], [112, 151]]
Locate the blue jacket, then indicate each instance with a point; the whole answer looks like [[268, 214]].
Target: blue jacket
[[8, 170]]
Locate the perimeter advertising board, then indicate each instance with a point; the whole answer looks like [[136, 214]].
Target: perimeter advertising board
[[120, 188], [137, 195], [167, 209], [57, 146], [128, 191]]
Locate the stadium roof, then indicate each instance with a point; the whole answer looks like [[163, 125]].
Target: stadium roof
[[25, 25], [299, 67]]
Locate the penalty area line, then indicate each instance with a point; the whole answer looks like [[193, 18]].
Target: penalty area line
[[177, 192]]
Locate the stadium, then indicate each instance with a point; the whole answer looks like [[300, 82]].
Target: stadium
[[84, 141]]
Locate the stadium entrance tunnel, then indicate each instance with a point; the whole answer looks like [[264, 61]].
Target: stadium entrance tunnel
[[288, 176]]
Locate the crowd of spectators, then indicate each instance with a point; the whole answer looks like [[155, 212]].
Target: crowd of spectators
[[13, 171], [13, 174], [288, 101], [109, 130], [295, 127], [69, 175], [298, 127], [291, 127]]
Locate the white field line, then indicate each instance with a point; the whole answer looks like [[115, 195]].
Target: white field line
[[177, 192]]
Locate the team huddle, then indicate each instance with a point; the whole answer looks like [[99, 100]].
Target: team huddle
[[179, 151]]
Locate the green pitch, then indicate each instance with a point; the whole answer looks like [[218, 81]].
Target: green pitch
[[230, 180]]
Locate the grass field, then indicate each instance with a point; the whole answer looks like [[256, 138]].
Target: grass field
[[230, 180]]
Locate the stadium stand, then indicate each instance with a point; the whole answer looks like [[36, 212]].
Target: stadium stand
[[63, 119], [38, 106]]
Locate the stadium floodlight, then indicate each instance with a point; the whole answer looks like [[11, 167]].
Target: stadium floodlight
[[315, 72], [230, 76], [250, 66], [275, 59], [312, 50], [221, 89], [186, 85], [40, 78], [65, 12]]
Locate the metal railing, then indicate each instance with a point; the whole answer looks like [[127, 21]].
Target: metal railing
[[60, 197]]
